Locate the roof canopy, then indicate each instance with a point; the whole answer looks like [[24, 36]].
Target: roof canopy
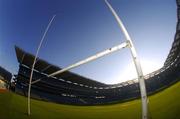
[[42, 66]]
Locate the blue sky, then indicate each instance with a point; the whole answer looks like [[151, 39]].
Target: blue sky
[[85, 27]]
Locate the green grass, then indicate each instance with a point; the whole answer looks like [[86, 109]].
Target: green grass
[[162, 105]]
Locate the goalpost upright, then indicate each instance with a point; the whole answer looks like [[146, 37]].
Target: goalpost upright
[[136, 63], [34, 62]]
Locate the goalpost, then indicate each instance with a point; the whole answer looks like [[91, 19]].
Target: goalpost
[[136, 63], [34, 62], [128, 43]]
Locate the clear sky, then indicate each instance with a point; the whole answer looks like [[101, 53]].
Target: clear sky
[[85, 27]]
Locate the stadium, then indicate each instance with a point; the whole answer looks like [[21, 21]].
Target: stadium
[[71, 96]]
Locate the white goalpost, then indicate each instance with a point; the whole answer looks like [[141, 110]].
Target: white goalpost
[[34, 62], [128, 43], [136, 63]]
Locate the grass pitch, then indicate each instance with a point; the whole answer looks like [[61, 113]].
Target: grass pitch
[[162, 105]]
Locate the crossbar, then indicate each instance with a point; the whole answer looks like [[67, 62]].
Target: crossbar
[[89, 59]]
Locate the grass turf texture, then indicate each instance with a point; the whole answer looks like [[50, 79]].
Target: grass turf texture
[[162, 105]]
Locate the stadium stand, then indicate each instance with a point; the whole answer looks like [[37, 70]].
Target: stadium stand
[[5, 79], [71, 88], [6, 75]]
